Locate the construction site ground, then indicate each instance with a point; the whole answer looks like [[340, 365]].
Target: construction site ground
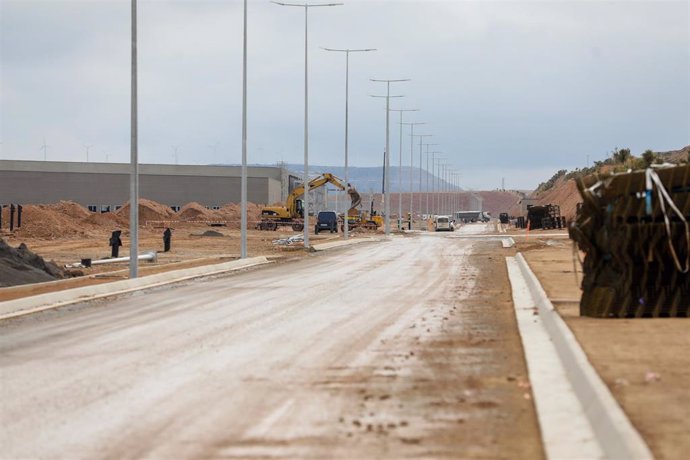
[[189, 249], [644, 362]]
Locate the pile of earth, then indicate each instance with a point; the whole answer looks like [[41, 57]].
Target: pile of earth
[[21, 266], [149, 210], [564, 193], [67, 219]]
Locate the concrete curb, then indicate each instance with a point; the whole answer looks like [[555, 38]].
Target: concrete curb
[[340, 243], [615, 434], [37, 303]]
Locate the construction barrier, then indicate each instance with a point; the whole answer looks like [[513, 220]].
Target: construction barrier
[[633, 228]]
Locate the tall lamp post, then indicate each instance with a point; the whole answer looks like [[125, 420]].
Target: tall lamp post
[[134, 159], [347, 52], [432, 175], [421, 138], [243, 180], [305, 179], [412, 125], [400, 163], [437, 169], [386, 167], [420, 173]]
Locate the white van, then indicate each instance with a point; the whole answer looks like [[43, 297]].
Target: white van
[[443, 223]]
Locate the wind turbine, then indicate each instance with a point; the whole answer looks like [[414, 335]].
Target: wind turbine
[[44, 147]]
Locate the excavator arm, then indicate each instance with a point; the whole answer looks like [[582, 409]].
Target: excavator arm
[[320, 181]]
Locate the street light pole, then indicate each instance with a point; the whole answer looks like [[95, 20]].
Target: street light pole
[[412, 125], [347, 52], [420, 173], [421, 137], [437, 170], [400, 163], [243, 181], [305, 179], [386, 167], [134, 158], [433, 154]]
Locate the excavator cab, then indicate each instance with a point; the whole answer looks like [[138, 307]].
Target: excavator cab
[[299, 207]]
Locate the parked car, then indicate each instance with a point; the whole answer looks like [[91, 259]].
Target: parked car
[[443, 223], [326, 220]]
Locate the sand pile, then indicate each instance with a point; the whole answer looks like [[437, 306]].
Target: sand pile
[[231, 213], [105, 220], [148, 210], [195, 211], [21, 266], [51, 221]]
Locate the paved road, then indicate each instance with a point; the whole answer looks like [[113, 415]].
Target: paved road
[[324, 357]]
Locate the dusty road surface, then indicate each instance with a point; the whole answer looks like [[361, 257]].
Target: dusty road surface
[[402, 349]]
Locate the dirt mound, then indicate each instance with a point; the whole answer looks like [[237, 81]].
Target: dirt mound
[[212, 233], [50, 221], [21, 266], [148, 210], [106, 220], [231, 212], [563, 193], [195, 211]]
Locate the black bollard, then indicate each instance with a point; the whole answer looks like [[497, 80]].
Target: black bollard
[[19, 215], [167, 237], [11, 217], [115, 243]]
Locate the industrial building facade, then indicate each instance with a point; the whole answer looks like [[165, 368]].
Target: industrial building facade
[[105, 186]]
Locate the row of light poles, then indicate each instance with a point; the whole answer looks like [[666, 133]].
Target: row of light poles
[[134, 171]]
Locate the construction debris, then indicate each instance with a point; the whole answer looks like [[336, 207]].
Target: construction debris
[[21, 266], [634, 231]]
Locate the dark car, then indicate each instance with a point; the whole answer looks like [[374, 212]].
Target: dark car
[[327, 220]]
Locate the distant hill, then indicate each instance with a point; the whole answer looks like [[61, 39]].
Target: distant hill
[[366, 179]]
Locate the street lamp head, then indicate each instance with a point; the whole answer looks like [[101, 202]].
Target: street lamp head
[[306, 5], [390, 81], [349, 50]]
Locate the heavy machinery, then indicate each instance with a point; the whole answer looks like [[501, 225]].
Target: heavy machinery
[[292, 214], [545, 217], [361, 219]]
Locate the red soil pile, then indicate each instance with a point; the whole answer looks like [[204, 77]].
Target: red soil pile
[[59, 220], [105, 220], [231, 213], [148, 210], [565, 194], [195, 211]]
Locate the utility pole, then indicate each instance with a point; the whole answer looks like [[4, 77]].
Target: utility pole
[[427, 181], [420, 173], [347, 51], [134, 158], [421, 138], [243, 179], [412, 125], [305, 180], [387, 204], [400, 164]]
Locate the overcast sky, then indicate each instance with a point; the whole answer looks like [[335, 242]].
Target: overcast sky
[[508, 89]]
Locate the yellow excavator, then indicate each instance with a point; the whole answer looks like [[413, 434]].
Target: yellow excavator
[[292, 214]]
